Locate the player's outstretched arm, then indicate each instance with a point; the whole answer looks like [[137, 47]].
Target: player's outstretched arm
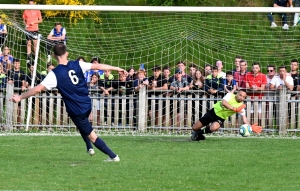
[[30, 92], [107, 67], [235, 109]]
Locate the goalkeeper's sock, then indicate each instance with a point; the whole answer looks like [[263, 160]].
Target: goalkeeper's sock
[[28, 56], [205, 130], [100, 144]]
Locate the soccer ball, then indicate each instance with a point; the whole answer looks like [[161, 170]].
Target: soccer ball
[[245, 130]]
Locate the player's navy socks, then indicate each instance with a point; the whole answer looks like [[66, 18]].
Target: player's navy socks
[[100, 144], [205, 130], [87, 142]]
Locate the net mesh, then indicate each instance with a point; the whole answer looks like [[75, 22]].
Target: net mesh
[[128, 39]]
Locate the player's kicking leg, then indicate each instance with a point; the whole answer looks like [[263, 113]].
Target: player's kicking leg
[[89, 147], [100, 144]]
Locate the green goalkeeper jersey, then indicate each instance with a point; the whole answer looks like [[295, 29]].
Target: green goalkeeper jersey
[[222, 111]]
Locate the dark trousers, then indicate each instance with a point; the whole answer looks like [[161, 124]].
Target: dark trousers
[[284, 17], [51, 44]]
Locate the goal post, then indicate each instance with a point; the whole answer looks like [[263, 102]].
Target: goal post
[[128, 36]]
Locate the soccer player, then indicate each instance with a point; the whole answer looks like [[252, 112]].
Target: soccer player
[[68, 78], [230, 105]]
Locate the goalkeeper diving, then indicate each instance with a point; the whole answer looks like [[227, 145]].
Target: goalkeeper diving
[[230, 105]]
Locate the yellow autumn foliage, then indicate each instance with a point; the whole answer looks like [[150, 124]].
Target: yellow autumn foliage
[[73, 16]]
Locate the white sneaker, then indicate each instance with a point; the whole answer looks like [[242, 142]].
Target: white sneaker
[[91, 152], [116, 159], [112, 124], [285, 27], [273, 25], [294, 25], [48, 58], [27, 61]]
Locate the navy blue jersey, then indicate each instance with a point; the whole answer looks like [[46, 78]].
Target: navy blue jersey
[[71, 83]]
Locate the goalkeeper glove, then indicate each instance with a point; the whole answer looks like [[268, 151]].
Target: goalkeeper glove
[[256, 128], [239, 109]]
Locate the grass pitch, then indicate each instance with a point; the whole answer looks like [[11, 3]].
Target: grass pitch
[[150, 163]]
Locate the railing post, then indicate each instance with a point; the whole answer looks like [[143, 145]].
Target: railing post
[[142, 110], [9, 107], [282, 111]]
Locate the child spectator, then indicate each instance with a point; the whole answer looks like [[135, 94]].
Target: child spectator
[[229, 83], [207, 70], [131, 74], [88, 74], [6, 59], [214, 83], [219, 65], [56, 36], [93, 85]]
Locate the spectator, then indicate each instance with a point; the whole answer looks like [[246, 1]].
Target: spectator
[[197, 84], [271, 74], [3, 33], [295, 75], [219, 65], [166, 75], [198, 81], [6, 59], [237, 64], [207, 70], [17, 77], [283, 81], [214, 83], [156, 82], [125, 88], [56, 36], [280, 3], [131, 74], [239, 76], [93, 85], [229, 83], [193, 68], [106, 85], [296, 15], [178, 86], [256, 81], [29, 76], [50, 67], [182, 66], [31, 20], [88, 74], [106, 75], [2, 79]]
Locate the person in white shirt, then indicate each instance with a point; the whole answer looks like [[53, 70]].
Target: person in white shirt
[[56, 36], [283, 81]]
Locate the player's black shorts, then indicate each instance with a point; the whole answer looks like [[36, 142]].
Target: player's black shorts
[[31, 34], [82, 123], [211, 117]]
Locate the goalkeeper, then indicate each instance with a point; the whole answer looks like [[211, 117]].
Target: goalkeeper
[[230, 105]]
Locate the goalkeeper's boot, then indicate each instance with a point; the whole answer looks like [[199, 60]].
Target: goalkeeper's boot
[[91, 152], [116, 159], [197, 136]]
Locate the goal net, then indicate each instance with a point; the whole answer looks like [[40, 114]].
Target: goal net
[[161, 37]]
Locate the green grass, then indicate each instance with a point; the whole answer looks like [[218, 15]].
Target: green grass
[[149, 163]]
